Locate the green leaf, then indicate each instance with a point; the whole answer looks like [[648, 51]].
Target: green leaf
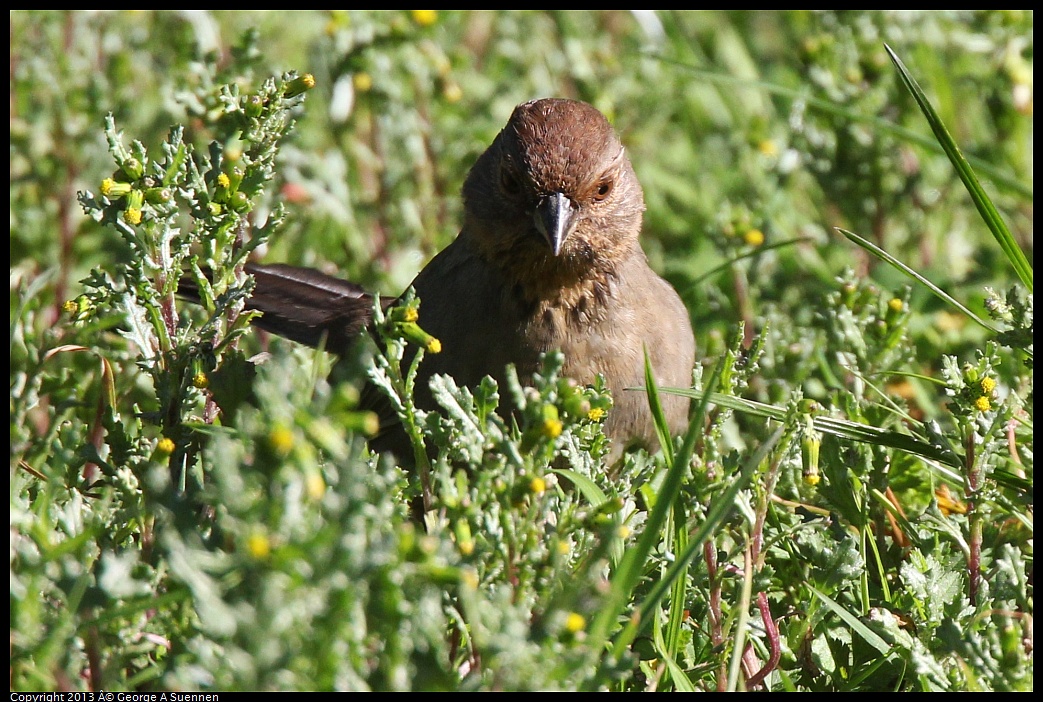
[[856, 624], [981, 199]]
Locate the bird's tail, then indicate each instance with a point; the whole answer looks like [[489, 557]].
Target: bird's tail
[[305, 305]]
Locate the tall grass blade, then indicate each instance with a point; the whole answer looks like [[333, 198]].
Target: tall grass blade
[[981, 199]]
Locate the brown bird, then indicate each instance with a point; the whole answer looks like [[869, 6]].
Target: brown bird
[[548, 258]]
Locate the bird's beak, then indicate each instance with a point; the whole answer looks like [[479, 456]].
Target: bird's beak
[[555, 218]]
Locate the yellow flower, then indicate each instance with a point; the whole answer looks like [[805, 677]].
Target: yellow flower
[[425, 18], [552, 428], [165, 446], [988, 385], [132, 215], [363, 82], [538, 485], [596, 414], [434, 345], [983, 404], [258, 545], [575, 623], [754, 237], [200, 380], [452, 92], [299, 85], [768, 147], [223, 180], [281, 439], [113, 189], [315, 486], [896, 304]]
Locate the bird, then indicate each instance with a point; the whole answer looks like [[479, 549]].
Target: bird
[[548, 258]]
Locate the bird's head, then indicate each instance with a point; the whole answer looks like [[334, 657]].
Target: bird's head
[[555, 189]]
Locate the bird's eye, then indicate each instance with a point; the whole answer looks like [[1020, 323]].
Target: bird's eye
[[604, 188], [509, 181]]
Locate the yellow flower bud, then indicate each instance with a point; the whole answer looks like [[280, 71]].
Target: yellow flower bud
[[424, 18], [362, 81], [575, 623], [754, 237], [299, 85], [259, 546], [281, 440]]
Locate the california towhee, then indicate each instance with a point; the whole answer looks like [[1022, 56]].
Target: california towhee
[[548, 258]]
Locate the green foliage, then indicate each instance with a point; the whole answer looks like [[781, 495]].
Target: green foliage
[[850, 509]]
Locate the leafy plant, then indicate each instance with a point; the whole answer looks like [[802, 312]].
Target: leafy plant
[[193, 508]]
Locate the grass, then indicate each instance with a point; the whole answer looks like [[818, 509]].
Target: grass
[[842, 199]]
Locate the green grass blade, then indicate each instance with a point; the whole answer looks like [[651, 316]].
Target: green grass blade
[[888, 258], [630, 570], [1001, 179], [981, 199], [867, 634], [719, 511], [656, 407], [595, 496], [841, 428]]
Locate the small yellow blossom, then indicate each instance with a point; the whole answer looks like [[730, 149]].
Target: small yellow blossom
[[165, 446], [70, 307], [132, 215], [200, 380], [466, 547], [363, 82], [315, 486], [575, 623], [988, 385], [110, 186], [623, 531], [753, 237], [596, 414], [452, 92], [563, 548], [896, 304], [281, 439], [538, 485], [425, 18], [370, 423], [768, 147], [434, 345], [223, 180], [299, 85], [259, 546], [552, 428], [812, 479], [983, 404]]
